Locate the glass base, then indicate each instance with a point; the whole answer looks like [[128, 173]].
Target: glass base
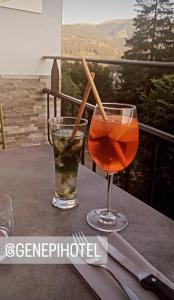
[[64, 203], [107, 221]]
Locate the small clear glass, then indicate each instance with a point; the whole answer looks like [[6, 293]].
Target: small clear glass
[[67, 154], [6, 216], [6, 222]]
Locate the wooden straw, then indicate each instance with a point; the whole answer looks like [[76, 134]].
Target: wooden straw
[[120, 153], [82, 106], [95, 92], [98, 100]]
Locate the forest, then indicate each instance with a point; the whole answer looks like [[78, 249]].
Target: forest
[[106, 40]]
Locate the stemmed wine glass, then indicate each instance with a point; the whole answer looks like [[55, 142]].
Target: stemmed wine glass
[[112, 143]]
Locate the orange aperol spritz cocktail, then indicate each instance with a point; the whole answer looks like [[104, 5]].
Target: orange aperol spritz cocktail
[[113, 144]]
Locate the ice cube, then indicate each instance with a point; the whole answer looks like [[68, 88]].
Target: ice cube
[[77, 146], [59, 161], [60, 143]]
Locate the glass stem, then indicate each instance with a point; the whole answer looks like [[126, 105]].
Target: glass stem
[[109, 189]]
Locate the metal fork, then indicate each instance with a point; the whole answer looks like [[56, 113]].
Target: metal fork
[[79, 237]]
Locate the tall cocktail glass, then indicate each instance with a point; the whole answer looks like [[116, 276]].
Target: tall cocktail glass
[[112, 143], [67, 154]]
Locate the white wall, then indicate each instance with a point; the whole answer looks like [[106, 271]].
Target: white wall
[[25, 37]]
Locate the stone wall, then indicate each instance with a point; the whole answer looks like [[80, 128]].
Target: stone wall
[[24, 109]]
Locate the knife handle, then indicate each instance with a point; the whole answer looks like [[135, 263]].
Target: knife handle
[[163, 291]]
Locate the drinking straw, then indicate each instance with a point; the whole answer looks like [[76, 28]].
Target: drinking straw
[[94, 89], [82, 106], [120, 153], [98, 100]]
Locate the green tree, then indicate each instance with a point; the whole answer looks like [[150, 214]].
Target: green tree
[[153, 40], [70, 88], [76, 74], [157, 108], [68, 85], [153, 37]]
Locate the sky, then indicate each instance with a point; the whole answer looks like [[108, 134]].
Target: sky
[[96, 11]]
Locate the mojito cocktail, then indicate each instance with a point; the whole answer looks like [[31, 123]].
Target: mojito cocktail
[[67, 154]]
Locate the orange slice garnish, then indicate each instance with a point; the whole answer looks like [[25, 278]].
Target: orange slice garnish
[[124, 132]]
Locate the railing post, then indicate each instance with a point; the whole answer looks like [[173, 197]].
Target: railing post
[[154, 171], [127, 178], [94, 166], [55, 76], [55, 106], [55, 85], [48, 116]]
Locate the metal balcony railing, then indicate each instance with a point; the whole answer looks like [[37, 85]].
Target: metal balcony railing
[[160, 139]]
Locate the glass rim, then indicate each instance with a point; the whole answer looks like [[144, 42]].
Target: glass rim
[[122, 106], [54, 121], [5, 195]]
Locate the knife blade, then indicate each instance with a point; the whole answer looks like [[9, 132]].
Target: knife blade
[[147, 280]]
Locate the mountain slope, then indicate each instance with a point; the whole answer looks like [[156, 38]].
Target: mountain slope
[[105, 40]]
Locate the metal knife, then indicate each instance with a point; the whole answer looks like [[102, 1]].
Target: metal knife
[[147, 281]]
